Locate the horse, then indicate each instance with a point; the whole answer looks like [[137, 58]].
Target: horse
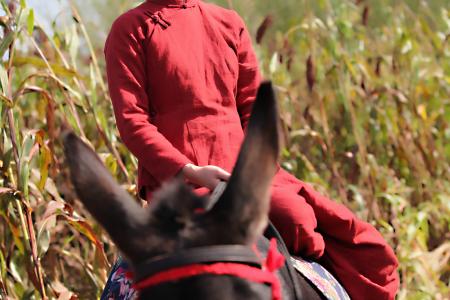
[[181, 246]]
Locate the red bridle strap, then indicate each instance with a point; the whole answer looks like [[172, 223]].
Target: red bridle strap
[[266, 275], [231, 269]]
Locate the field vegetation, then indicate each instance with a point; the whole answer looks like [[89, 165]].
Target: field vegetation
[[364, 91]]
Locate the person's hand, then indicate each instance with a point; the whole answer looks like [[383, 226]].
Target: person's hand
[[207, 176]]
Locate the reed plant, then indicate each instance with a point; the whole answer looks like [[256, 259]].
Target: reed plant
[[364, 91]]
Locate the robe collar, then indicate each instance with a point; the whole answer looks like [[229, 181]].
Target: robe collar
[[174, 3]]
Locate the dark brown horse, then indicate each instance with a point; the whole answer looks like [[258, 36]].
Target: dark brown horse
[[171, 233]]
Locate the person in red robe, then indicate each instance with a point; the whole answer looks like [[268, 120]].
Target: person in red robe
[[183, 76]]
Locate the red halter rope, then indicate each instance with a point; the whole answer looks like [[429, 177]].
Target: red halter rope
[[265, 275]]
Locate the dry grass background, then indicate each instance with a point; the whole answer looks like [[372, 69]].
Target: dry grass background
[[364, 88]]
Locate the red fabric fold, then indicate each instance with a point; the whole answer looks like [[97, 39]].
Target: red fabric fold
[[354, 250]]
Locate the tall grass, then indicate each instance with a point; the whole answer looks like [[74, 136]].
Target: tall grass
[[364, 89]]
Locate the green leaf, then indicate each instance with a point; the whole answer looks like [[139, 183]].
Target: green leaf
[[28, 144], [30, 294], [274, 63], [3, 79], [84, 228], [6, 100], [74, 43], [30, 22], [45, 160], [6, 42], [13, 269], [25, 178], [93, 87], [111, 163], [43, 241], [7, 156], [4, 5], [16, 233], [47, 225], [2, 267], [60, 70]]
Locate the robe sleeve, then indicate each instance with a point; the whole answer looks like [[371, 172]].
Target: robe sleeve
[[125, 67], [249, 77]]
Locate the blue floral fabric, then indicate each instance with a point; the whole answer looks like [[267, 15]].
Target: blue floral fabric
[[323, 280], [118, 286]]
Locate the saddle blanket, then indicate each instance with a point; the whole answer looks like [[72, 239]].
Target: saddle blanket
[[119, 286], [320, 278]]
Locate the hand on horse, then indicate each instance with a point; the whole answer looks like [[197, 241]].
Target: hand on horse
[[206, 176]]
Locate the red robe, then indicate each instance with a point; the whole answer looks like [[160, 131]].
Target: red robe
[[183, 76]]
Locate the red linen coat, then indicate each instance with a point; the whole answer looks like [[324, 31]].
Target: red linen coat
[[183, 76]]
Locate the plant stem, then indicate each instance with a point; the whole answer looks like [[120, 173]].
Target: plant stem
[[29, 222]]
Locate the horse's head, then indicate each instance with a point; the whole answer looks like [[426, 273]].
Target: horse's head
[[171, 223]]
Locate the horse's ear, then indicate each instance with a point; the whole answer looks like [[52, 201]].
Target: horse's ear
[[244, 205], [111, 205]]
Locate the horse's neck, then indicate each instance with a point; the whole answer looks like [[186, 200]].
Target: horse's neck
[[206, 287], [287, 285], [293, 285]]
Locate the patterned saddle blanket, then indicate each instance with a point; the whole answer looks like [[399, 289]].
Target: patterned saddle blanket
[[318, 276], [119, 286]]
